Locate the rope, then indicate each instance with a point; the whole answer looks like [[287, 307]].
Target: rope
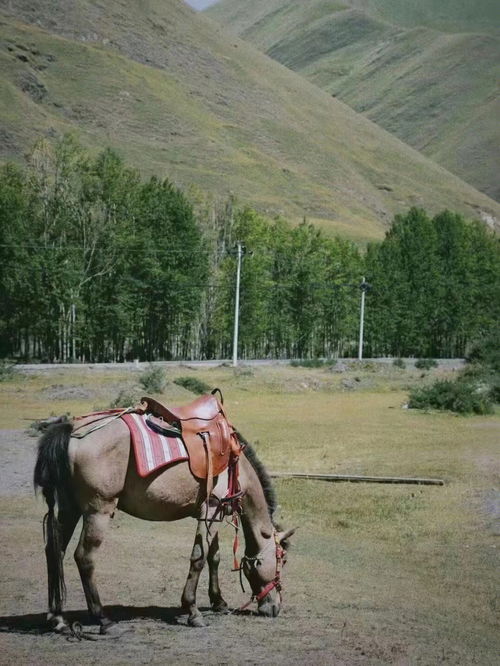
[[80, 435], [76, 633]]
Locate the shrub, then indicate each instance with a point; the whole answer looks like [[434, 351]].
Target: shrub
[[126, 398], [484, 366], [309, 363], [7, 370], [459, 396], [474, 372], [399, 363], [486, 352], [494, 392], [367, 366], [153, 379], [193, 384], [425, 363]]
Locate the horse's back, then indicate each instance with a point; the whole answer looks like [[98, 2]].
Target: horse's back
[[99, 463]]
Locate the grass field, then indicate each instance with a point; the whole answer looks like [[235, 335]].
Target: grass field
[[378, 574]]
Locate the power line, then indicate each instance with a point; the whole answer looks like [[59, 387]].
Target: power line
[[155, 249]]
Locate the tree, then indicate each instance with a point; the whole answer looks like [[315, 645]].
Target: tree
[[436, 285]]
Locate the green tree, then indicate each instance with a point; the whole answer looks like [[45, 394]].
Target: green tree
[[436, 285]]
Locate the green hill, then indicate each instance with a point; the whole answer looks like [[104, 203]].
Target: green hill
[[168, 89], [426, 71]]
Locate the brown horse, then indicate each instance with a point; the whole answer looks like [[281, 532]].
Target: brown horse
[[93, 476]]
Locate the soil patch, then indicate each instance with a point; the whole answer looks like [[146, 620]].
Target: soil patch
[[62, 392], [18, 453]]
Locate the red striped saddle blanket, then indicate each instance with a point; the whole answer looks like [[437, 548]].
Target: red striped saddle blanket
[[152, 449]]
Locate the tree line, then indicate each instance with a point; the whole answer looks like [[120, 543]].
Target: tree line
[[97, 264]]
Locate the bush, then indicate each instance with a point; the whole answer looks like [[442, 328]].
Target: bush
[[494, 392], [309, 363], [153, 380], [367, 366], [486, 352], [126, 398], [7, 370], [399, 363], [425, 363], [484, 366], [193, 384], [459, 396]]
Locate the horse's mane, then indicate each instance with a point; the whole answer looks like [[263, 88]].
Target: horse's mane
[[264, 478]]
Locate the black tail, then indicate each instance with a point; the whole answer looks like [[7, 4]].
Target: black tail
[[52, 474]]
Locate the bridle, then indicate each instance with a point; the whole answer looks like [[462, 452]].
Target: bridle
[[275, 583]]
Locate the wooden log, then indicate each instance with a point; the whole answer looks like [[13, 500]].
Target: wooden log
[[358, 479]]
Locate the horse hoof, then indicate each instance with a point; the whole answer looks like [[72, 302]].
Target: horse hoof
[[58, 625], [220, 607], [196, 621]]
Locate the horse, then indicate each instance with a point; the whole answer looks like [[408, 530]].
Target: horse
[[92, 477]]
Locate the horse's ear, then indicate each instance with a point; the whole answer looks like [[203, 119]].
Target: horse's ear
[[284, 536]]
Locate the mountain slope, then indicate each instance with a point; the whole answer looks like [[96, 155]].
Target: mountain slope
[[168, 89], [425, 71]]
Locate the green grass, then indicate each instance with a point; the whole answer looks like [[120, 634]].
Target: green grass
[[446, 15], [413, 68], [181, 99]]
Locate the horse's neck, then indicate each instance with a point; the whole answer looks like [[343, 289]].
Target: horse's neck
[[256, 521]]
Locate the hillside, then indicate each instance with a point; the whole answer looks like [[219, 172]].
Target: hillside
[[425, 71], [176, 97]]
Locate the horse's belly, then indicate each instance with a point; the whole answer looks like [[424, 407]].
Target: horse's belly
[[170, 494]]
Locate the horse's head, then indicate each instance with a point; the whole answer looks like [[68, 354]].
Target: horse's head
[[263, 572]]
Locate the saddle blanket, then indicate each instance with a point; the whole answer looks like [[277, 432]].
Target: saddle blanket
[[151, 449]]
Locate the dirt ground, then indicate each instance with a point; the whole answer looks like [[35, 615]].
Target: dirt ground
[[352, 595], [142, 570]]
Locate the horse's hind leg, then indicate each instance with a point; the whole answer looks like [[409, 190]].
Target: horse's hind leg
[[218, 603], [67, 518], [94, 528]]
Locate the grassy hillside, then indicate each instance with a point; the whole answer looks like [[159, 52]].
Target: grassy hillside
[[425, 71], [176, 97], [446, 15]]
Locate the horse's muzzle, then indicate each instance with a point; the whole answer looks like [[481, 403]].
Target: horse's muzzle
[[269, 608]]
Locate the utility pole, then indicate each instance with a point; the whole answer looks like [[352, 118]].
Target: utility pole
[[364, 286], [239, 255], [73, 336]]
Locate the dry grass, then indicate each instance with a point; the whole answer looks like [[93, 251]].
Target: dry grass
[[381, 574]]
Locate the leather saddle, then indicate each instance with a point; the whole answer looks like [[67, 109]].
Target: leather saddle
[[209, 438]]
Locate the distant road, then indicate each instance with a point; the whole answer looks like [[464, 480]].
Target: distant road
[[450, 363]]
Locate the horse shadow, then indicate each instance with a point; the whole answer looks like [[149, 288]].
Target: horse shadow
[[36, 623]]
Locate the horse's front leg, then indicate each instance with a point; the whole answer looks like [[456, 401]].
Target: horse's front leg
[[202, 544], [218, 603]]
